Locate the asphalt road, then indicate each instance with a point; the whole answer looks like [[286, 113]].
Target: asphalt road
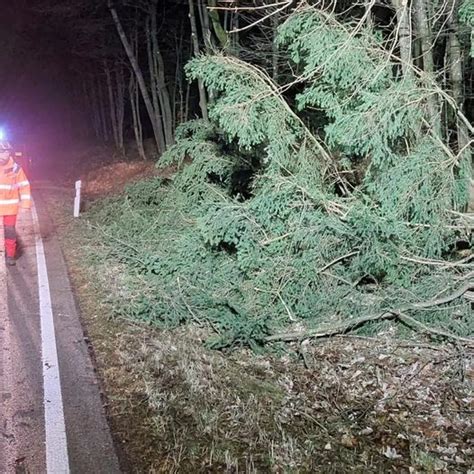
[[52, 418]]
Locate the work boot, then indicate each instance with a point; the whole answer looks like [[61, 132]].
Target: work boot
[[11, 261]]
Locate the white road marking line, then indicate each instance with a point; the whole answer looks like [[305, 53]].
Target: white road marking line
[[5, 371], [57, 460], [3, 272]]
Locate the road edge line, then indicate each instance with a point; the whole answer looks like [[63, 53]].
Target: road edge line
[[57, 459], [5, 383]]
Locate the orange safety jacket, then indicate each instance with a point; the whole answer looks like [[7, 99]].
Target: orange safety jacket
[[14, 189]]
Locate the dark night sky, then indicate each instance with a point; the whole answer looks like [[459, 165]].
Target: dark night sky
[[44, 50], [38, 74]]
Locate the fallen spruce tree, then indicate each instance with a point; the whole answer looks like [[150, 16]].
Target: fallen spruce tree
[[283, 223]]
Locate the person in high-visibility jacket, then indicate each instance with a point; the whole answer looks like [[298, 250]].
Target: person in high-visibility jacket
[[14, 193]]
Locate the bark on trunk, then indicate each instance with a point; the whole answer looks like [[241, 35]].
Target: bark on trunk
[[152, 73], [426, 42], [205, 24], [103, 110], [160, 83], [404, 34], [92, 106], [195, 41], [134, 96], [219, 31], [456, 68], [120, 107], [368, 11], [112, 105], [275, 49], [456, 71]]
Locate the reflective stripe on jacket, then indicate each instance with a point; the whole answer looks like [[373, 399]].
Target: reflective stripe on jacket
[[14, 189]]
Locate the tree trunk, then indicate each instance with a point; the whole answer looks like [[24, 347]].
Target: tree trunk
[[97, 110], [404, 34], [195, 42], [160, 83], [103, 110], [134, 95], [186, 101], [275, 49], [219, 31], [120, 107], [368, 11], [153, 73], [135, 108], [426, 42], [456, 64], [178, 102], [116, 90], [112, 105], [235, 38], [164, 97], [205, 24], [424, 35], [456, 72], [92, 106]]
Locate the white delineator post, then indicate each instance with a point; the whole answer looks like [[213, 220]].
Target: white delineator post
[[77, 199]]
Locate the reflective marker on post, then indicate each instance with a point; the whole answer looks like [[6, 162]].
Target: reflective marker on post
[[77, 199]]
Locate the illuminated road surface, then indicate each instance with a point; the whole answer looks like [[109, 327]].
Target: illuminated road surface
[[51, 415]]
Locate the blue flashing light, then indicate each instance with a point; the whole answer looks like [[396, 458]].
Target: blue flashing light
[[3, 134]]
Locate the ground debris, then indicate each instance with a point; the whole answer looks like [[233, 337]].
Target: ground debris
[[112, 178], [364, 405]]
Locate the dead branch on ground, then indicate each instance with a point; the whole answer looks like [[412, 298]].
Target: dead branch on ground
[[399, 314]]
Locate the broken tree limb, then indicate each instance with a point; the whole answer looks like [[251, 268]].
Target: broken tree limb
[[412, 322], [345, 327], [439, 301], [337, 260]]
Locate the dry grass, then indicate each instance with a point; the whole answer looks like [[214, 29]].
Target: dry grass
[[362, 405], [113, 177]]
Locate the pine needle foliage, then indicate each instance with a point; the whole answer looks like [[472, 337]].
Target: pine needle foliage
[[349, 76], [466, 15], [291, 248]]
